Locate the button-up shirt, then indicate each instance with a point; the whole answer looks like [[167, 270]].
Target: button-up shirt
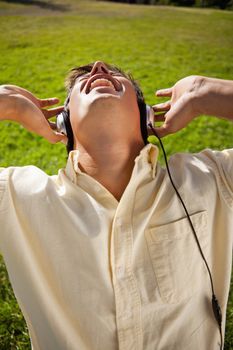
[[93, 273]]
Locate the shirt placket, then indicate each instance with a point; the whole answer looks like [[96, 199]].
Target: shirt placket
[[127, 298]]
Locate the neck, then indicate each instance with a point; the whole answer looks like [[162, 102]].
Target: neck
[[111, 165]]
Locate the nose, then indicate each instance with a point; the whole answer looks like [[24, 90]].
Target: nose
[[99, 67]]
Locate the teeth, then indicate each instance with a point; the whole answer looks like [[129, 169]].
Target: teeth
[[101, 82]]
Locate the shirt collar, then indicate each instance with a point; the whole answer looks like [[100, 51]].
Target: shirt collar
[[149, 154]]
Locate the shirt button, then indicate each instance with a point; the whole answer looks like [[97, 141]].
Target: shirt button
[[126, 315], [120, 272], [119, 221]]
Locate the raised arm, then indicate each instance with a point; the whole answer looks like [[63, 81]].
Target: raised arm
[[191, 97], [20, 105]]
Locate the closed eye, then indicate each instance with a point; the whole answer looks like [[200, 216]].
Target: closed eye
[[116, 74], [86, 76]]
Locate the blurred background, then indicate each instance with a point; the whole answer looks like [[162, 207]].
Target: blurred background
[[222, 4]]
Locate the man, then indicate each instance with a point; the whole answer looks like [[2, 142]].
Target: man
[[102, 256]]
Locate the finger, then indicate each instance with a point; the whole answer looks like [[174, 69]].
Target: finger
[[48, 101], [162, 131], [162, 106], [54, 137], [159, 117], [49, 113], [54, 128], [48, 133], [64, 140], [53, 125], [164, 92]]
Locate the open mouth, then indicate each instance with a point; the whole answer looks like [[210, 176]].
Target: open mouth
[[103, 80]]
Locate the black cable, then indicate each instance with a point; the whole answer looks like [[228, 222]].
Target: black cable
[[215, 304]]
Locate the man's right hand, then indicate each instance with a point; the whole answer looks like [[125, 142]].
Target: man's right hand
[[22, 106]]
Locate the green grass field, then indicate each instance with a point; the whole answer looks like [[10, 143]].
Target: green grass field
[[159, 45]]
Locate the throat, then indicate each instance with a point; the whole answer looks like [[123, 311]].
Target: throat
[[111, 170], [114, 178]]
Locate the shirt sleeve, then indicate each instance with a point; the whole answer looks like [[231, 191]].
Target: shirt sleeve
[[223, 161], [3, 182], [3, 204]]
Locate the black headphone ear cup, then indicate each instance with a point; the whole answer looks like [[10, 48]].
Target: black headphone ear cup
[[143, 120], [69, 131]]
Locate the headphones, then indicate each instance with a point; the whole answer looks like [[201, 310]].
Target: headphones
[[61, 122]]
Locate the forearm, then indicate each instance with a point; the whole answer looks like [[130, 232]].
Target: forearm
[[215, 97]]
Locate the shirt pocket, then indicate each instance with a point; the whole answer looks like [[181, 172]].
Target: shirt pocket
[[177, 263]]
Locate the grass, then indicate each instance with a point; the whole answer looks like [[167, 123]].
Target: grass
[[159, 45]]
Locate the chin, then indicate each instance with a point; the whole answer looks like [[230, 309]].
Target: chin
[[104, 104], [105, 96]]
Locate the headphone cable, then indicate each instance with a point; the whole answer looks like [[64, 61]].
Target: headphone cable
[[215, 304]]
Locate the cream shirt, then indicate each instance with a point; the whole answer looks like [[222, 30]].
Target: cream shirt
[[92, 273]]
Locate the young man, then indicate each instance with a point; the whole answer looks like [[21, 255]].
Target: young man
[[101, 256]]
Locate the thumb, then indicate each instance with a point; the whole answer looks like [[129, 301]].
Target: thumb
[[177, 118], [169, 126], [54, 137], [162, 130]]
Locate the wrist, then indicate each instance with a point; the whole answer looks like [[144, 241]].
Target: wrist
[[213, 97], [201, 94]]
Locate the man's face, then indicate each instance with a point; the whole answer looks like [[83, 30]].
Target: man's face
[[102, 100]]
